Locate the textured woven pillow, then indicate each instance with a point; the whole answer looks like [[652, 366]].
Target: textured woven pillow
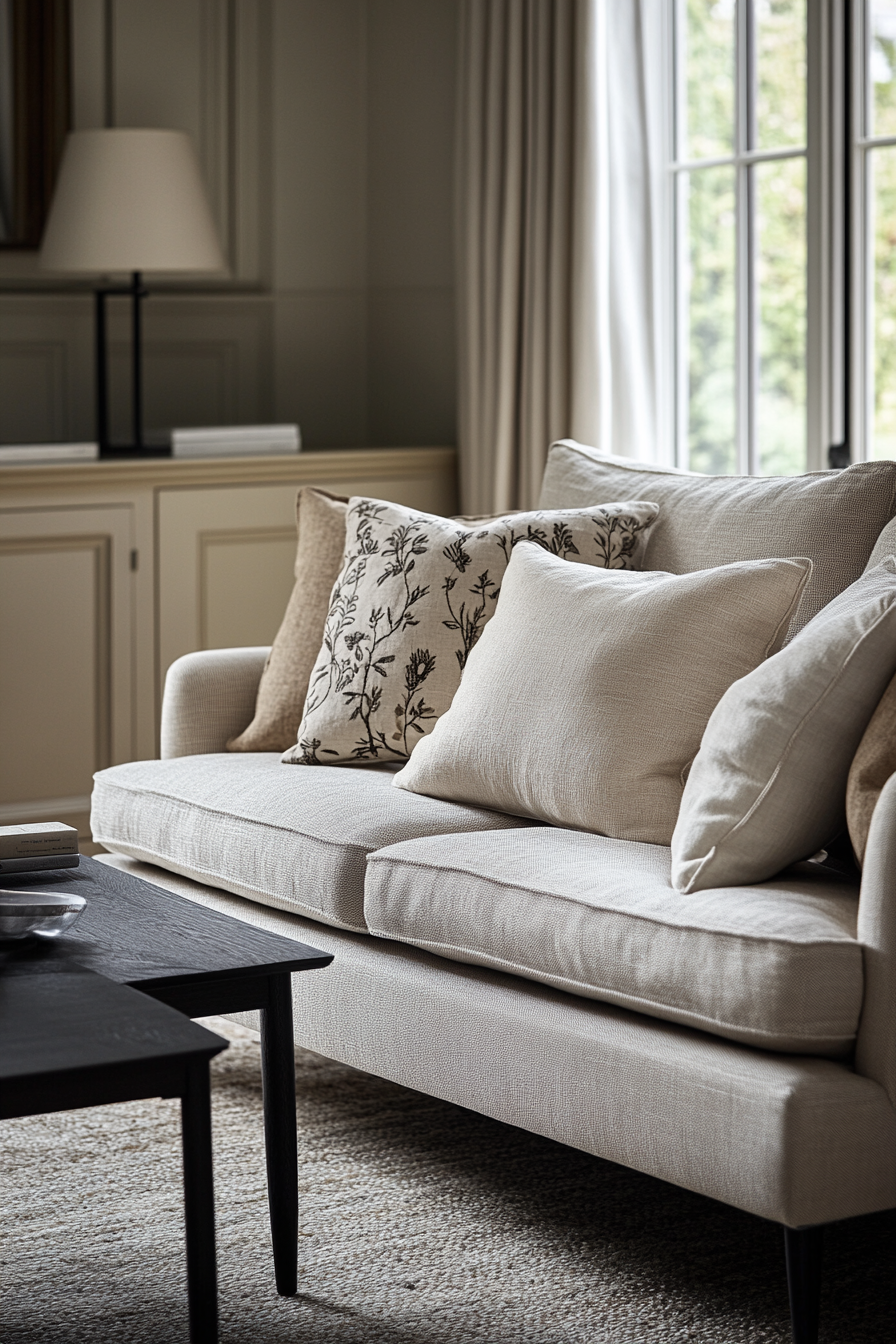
[[413, 596], [872, 766], [833, 517], [587, 695], [320, 518], [769, 783]]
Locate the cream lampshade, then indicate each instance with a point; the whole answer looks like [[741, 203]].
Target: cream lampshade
[[128, 200]]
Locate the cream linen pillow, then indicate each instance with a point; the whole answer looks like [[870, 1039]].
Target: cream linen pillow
[[320, 518], [588, 693], [412, 598], [768, 786]]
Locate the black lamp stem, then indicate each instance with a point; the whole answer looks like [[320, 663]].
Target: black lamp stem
[[137, 293], [102, 382]]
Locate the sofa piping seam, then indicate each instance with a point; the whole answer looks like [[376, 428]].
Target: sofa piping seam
[[620, 997]]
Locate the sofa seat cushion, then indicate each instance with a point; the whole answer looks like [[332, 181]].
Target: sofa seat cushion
[[293, 839], [775, 965]]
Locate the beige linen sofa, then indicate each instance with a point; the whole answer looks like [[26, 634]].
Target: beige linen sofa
[[740, 1042]]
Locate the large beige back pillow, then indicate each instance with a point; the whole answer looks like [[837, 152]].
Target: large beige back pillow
[[872, 766], [833, 517], [320, 518]]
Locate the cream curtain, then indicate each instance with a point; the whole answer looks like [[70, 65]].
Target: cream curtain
[[561, 237], [514, 192]]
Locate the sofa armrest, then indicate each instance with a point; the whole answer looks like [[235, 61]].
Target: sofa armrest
[[876, 1043], [209, 698]]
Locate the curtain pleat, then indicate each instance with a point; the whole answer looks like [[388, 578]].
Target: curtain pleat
[[561, 238], [515, 150]]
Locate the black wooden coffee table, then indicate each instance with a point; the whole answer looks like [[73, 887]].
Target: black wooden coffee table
[[71, 1038], [202, 963]]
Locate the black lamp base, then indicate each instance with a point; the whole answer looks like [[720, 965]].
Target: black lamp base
[[117, 452]]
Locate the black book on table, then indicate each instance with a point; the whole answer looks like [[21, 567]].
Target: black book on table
[[38, 863]]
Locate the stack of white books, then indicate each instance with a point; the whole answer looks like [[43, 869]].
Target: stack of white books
[[18, 453], [39, 845], [236, 441]]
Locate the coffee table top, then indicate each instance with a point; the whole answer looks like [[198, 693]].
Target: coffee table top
[[137, 934], [68, 1019]]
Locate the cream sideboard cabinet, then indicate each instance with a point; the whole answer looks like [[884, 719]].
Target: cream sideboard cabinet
[[111, 570]]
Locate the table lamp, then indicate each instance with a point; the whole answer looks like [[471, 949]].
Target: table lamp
[[128, 200]]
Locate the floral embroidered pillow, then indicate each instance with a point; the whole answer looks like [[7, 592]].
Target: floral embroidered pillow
[[414, 594]]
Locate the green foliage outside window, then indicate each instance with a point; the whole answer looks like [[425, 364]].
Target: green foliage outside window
[[883, 201], [780, 243]]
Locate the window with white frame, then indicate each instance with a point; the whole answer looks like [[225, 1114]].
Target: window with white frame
[[758, 179]]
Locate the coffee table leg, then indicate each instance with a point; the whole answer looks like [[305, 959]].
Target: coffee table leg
[[278, 1074], [199, 1205]]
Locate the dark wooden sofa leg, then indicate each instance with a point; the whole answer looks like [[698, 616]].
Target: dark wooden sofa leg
[[802, 1249]]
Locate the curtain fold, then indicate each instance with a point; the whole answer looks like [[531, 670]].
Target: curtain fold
[[515, 155], [560, 237]]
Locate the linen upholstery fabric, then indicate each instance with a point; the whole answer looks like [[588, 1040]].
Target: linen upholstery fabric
[[833, 517], [320, 518], [209, 696], [796, 1139], [296, 839], [768, 785], [873, 764], [774, 966], [587, 695], [412, 598]]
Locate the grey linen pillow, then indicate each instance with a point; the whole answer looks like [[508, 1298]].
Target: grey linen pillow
[[413, 596], [320, 518], [768, 786], [587, 695], [833, 517]]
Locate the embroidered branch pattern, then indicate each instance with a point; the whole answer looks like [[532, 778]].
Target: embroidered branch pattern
[[438, 576]]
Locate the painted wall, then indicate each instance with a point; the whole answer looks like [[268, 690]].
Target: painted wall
[[325, 131]]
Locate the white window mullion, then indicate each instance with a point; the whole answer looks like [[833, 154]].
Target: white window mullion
[[826, 314], [745, 288], [679, 184], [860, 221]]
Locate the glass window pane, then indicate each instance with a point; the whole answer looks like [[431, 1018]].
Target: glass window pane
[[708, 298], [780, 28], [882, 66], [708, 44], [882, 170], [781, 312]]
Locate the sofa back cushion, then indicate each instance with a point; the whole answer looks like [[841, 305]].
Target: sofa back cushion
[[833, 517]]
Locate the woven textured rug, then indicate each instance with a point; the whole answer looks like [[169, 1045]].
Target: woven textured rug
[[421, 1223]]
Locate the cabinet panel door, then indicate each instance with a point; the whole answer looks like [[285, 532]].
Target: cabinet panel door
[[226, 555], [66, 697]]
